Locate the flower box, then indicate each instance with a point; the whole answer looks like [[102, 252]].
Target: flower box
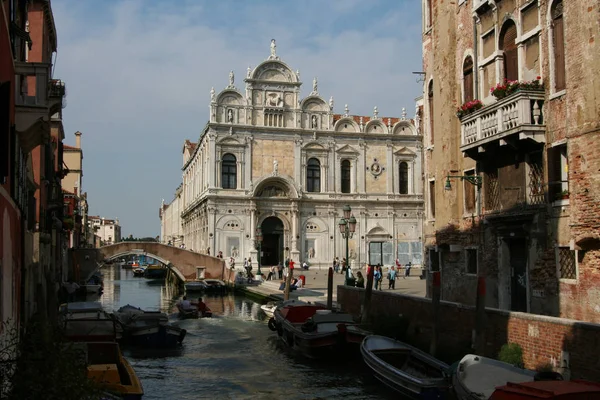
[[468, 108], [506, 88]]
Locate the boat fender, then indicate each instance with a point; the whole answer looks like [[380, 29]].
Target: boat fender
[[272, 324]]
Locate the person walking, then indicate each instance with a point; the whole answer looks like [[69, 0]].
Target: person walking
[[391, 278], [377, 276], [407, 269]]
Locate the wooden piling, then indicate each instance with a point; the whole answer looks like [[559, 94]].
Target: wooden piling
[[479, 334], [367, 300], [330, 288], [435, 303]]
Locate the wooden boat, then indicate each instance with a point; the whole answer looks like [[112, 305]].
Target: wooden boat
[[215, 285], [87, 321], [155, 272], [548, 390], [271, 306], [110, 370], [316, 331], [148, 328], [187, 313], [204, 312], [477, 377], [195, 286], [405, 368]]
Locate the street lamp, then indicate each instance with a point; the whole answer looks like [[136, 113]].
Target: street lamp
[[257, 243], [347, 227]]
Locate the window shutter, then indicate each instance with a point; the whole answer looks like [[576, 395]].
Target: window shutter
[[559, 53], [468, 79], [511, 61]]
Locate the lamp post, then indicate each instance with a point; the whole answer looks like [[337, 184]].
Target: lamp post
[[257, 244], [347, 226]]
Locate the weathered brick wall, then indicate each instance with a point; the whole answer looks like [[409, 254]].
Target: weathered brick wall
[[544, 339]]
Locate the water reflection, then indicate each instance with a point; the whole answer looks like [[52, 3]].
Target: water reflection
[[230, 356]]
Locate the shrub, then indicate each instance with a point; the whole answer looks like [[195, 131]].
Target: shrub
[[511, 353]]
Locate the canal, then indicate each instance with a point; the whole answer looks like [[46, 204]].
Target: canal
[[230, 356]]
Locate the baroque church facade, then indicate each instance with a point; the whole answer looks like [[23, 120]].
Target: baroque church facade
[[271, 160]]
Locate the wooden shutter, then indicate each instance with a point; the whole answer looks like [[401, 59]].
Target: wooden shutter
[[468, 79], [431, 113], [511, 61], [559, 53]]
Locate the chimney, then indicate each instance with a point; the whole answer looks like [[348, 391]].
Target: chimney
[[78, 139]]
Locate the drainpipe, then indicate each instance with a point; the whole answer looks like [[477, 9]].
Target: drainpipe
[[475, 55]]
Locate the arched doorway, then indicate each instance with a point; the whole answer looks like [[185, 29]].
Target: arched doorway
[[272, 245]]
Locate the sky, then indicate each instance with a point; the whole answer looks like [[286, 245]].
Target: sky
[[139, 72]]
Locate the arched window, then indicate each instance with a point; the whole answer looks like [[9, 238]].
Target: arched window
[[558, 45], [468, 80], [345, 174], [313, 176], [228, 172], [403, 174], [430, 104], [508, 36]]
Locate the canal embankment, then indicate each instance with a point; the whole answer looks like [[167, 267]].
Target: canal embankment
[[571, 347]]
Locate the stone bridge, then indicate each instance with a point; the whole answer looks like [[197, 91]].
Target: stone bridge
[[183, 263]]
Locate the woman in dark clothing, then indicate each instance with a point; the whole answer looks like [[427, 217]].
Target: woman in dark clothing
[[360, 280]]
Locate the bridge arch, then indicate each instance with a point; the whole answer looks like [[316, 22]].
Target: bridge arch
[[182, 262]]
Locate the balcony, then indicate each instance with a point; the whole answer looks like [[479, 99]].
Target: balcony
[[36, 98], [518, 117]]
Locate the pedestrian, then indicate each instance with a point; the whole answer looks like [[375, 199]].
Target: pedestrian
[[280, 270], [377, 276], [407, 269], [305, 266], [360, 280], [391, 278]]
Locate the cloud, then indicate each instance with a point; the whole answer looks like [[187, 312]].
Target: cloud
[[139, 73]]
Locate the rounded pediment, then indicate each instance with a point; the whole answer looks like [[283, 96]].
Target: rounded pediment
[[230, 97], [375, 126], [274, 71], [346, 124], [314, 103], [275, 186], [404, 127]]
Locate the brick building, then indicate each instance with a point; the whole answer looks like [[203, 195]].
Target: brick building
[[512, 182]]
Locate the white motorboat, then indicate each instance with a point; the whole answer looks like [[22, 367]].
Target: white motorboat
[[477, 377], [271, 306], [405, 368], [148, 328]]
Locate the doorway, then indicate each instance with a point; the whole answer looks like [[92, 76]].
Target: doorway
[[518, 273], [272, 245]]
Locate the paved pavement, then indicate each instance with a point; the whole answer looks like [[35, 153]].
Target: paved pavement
[[315, 289]]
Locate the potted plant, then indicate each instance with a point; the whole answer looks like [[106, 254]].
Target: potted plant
[[468, 108], [506, 87], [563, 195]]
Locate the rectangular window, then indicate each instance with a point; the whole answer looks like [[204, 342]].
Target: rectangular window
[[471, 261], [410, 252], [381, 253], [432, 199], [558, 172], [566, 262], [470, 193]]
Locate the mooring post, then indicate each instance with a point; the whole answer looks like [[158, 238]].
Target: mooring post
[[288, 282], [479, 334], [367, 300], [435, 304], [330, 288]]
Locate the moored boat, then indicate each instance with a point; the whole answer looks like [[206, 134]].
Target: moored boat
[[139, 272], [316, 331], [110, 370], [548, 390], [155, 272], [477, 377], [271, 306], [405, 368], [195, 286], [87, 321], [215, 285], [148, 328]]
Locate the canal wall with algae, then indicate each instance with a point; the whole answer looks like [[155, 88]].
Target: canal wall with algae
[[571, 347]]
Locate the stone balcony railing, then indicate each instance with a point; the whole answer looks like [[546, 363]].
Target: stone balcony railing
[[520, 114]]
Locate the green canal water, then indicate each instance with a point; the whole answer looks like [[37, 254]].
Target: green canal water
[[233, 355]]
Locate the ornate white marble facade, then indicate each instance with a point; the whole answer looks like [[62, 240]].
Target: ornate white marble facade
[[271, 159]]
